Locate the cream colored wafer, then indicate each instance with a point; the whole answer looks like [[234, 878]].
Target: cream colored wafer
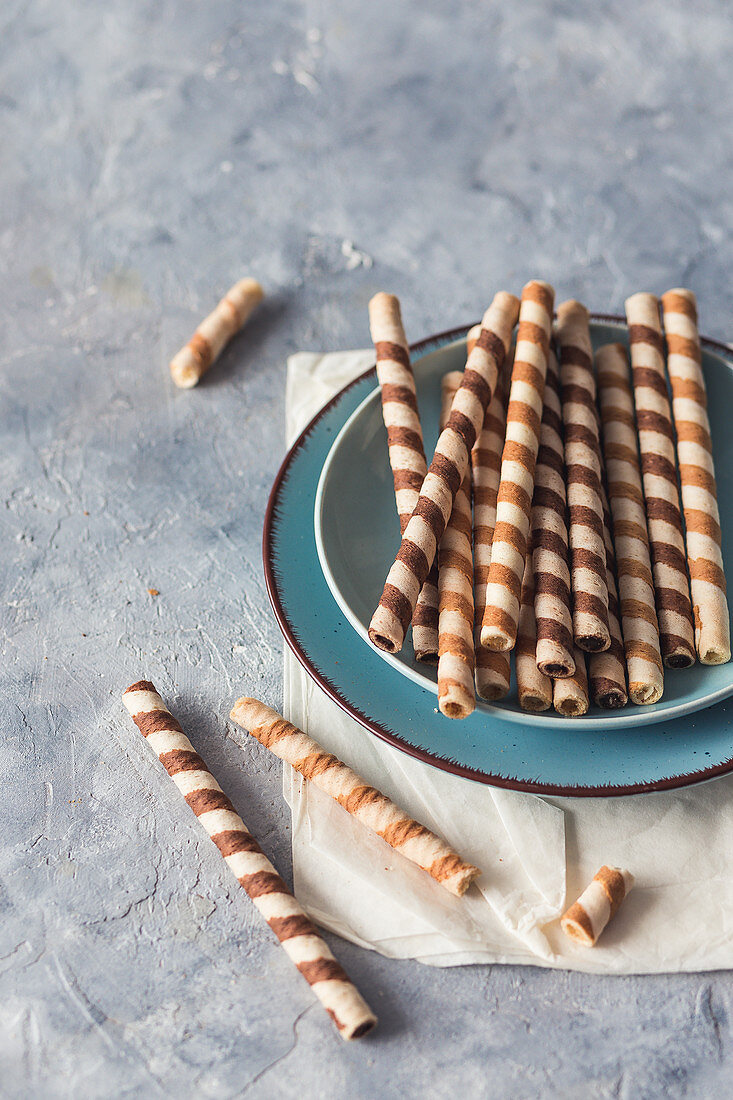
[[534, 689], [369, 806], [570, 694], [586, 919], [607, 670], [697, 477], [626, 500], [659, 479], [247, 862], [214, 333], [516, 487], [448, 468]]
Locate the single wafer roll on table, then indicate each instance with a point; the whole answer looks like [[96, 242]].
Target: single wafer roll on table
[[626, 501], [406, 448], [583, 468], [586, 919], [607, 670], [448, 468], [249, 865], [697, 477], [659, 479], [570, 694], [214, 333], [516, 487], [369, 806], [534, 689]]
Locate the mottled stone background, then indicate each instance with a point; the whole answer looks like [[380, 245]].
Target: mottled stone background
[[151, 154]]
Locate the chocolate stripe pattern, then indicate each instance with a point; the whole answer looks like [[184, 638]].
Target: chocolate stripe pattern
[[493, 670], [583, 464], [406, 448], [636, 586], [428, 522], [697, 477], [586, 919], [369, 806], [550, 539], [516, 487], [570, 695], [213, 334], [608, 669], [456, 695], [534, 689], [659, 478], [245, 859]]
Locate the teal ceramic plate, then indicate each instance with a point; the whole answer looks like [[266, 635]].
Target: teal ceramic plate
[[338, 472]]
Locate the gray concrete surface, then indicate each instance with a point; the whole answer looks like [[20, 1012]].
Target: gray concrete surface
[[151, 154]]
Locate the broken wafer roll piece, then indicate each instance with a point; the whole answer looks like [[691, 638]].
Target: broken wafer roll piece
[[215, 332], [368, 805], [534, 689], [247, 862], [697, 477], [570, 694], [599, 902]]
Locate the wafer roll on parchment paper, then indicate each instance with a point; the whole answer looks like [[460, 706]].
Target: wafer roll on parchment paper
[[249, 865], [448, 468], [456, 693], [555, 649], [570, 694], [534, 689], [214, 333], [659, 480], [583, 467], [493, 670], [369, 806], [586, 919], [697, 477], [516, 486], [626, 501], [607, 670]]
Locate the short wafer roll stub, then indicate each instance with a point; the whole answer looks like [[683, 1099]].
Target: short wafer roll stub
[[599, 902], [456, 693], [626, 501], [607, 670], [247, 862], [583, 466], [659, 479], [406, 448], [555, 649], [213, 334], [369, 806], [519, 456], [448, 468], [570, 695], [697, 477], [534, 689]]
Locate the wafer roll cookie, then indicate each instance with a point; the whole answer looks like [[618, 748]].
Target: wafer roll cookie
[[247, 862], [215, 332], [583, 466], [697, 477], [516, 486], [369, 806], [607, 670], [555, 657], [447, 470], [659, 479], [570, 695], [493, 670], [586, 919], [626, 501], [534, 689], [456, 697], [406, 448]]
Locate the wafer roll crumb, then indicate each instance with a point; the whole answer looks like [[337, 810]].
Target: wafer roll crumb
[[534, 689], [215, 332], [368, 805], [570, 694], [586, 919]]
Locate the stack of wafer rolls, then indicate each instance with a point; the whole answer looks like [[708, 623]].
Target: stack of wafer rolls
[[697, 477], [534, 689], [659, 479]]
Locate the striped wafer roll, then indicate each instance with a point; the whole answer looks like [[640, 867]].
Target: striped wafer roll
[[607, 670], [406, 448], [550, 540], [428, 522], [245, 859], [493, 670], [583, 465], [697, 477], [570, 695], [214, 333], [369, 806], [586, 919], [456, 695], [626, 500], [534, 689], [659, 479], [516, 487]]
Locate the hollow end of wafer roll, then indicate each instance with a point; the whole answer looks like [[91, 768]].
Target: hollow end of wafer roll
[[425, 656], [554, 660], [596, 642], [680, 658], [571, 706], [533, 702], [385, 630], [644, 694], [186, 369], [496, 640], [610, 697], [574, 925], [714, 655], [456, 703]]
